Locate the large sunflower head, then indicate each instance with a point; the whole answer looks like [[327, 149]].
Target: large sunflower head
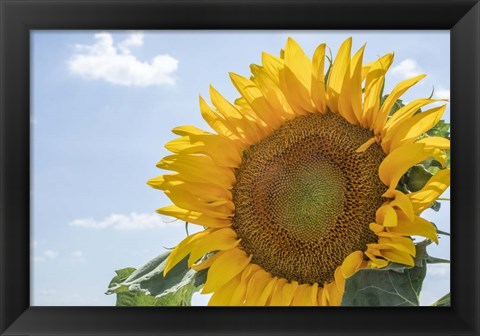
[[297, 185]]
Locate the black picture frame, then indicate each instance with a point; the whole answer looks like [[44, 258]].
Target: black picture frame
[[19, 17]]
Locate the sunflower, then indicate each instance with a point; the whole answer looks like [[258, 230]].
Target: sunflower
[[297, 185]]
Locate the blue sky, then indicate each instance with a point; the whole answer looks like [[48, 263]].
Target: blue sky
[[103, 106]]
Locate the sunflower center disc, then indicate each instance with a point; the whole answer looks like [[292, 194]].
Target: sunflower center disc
[[304, 198], [306, 194]]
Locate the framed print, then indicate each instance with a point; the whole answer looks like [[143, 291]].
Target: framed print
[[161, 157]]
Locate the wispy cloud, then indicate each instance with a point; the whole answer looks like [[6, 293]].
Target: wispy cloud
[[77, 254], [115, 63], [133, 221], [46, 255], [442, 93], [439, 270], [407, 68], [50, 254]]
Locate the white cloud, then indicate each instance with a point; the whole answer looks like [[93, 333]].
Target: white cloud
[[50, 254], [46, 255], [133, 40], [442, 93], [133, 221], [114, 62], [407, 68], [77, 254], [439, 270]]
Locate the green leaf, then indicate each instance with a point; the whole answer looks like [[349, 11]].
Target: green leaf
[[174, 289], [443, 302], [372, 287], [394, 285], [200, 278], [134, 299], [115, 285], [436, 206], [442, 129], [418, 176], [447, 151]]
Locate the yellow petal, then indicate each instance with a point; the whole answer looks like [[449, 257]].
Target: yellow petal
[[386, 216], [387, 105], [186, 196], [375, 261], [356, 84], [351, 263], [409, 130], [417, 227], [222, 150], [334, 294], [339, 278], [256, 100], [277, 293], [406, 112], [204, 191], [273, 65], [366, 145], [189, 130], [222, 239], [327, 292], [266, 293], [435, 186], [256, 285], [298, 69], [272, 93], [401, 159], [400, 201], [306, 295], [284, 293], [322, 296], [200, 169], [239, 124], [373, 88], [194, 217], [404, 244], [437, 142], [366, 69], [350, 100], [223, 295], [238, 296], [221, 209], [217, 122], [397, 256], [182, 249], [228, 265], [376, 227], [263, 128], [318, 79], [340, 67], [207, 262]]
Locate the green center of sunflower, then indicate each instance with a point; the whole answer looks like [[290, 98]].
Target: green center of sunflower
[[304, 197]]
